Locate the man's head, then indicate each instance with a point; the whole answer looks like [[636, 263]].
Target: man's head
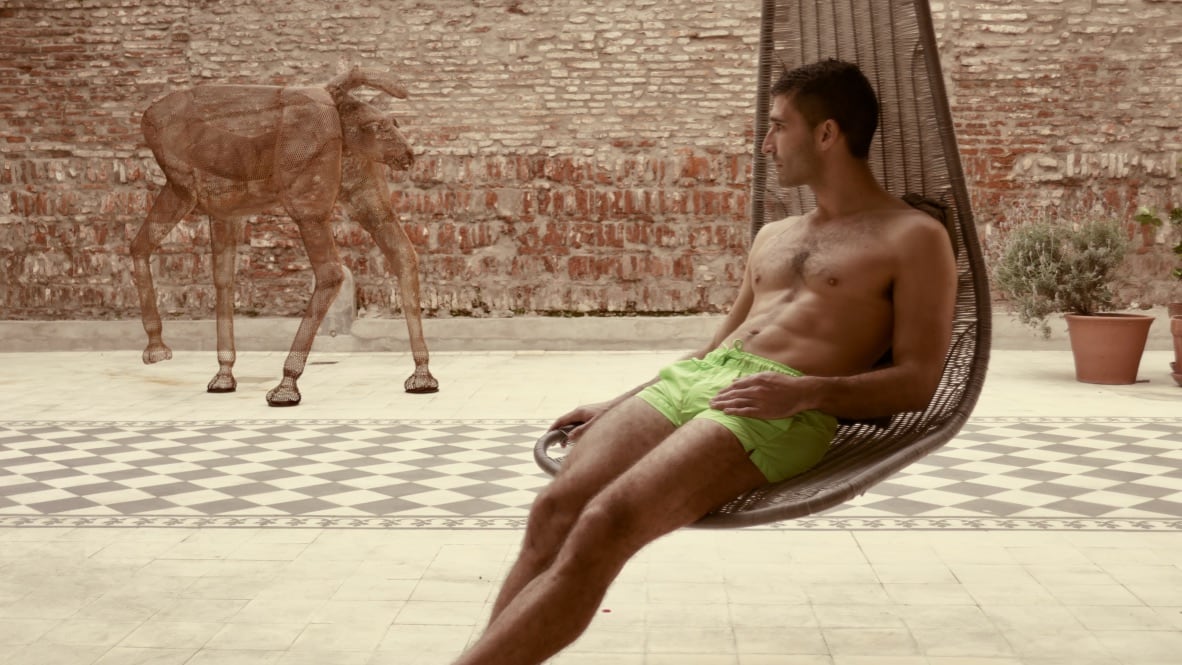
[[837, 91]]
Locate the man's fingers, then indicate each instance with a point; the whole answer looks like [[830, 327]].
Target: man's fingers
[[761, 379], [751, 382], [731, 393], [725, 404], [575, 433]]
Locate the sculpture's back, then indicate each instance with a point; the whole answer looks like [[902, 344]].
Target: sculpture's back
[[239, 149]]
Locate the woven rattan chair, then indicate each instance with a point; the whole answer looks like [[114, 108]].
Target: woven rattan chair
[[914, 153]]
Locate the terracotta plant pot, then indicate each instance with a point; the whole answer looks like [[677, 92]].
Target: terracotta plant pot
[[1108, 347], [1176, 331], [1148, 236], [1175, 309]]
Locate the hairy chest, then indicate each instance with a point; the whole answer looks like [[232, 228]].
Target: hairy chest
[[852, 260]]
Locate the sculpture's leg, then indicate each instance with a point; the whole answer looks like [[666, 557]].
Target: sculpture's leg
[[170, 206], [326, 266], [396, 246], [380, 221], [223, 237]]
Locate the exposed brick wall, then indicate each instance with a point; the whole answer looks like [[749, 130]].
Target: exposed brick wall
[[1067, 99], [1072, 102], [574, 156]]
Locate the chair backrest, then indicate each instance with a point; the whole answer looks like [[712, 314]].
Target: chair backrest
[[914, 152]]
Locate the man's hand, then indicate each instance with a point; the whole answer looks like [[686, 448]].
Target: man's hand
[[582, 417], [766, 395]]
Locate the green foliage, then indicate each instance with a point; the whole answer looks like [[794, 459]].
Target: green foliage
[[1176, 222], [1150, 217], [1044, 267], [1147, 216]]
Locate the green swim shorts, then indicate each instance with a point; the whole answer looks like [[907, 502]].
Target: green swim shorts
[[779, 448]]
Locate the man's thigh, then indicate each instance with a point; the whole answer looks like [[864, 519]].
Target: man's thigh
[[697, 468], [612, 444]]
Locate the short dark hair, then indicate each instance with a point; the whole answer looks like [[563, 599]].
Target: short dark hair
[[838, 90]]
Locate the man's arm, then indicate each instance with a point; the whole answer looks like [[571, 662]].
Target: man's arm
[[923, 297], [734, 318], [737, 314]]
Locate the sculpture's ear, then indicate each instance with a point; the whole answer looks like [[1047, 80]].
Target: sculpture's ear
[[385, 83], [341, 84], [356, 77]]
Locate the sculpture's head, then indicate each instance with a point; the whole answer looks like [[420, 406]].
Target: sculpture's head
[[369, 134], [366, 132]]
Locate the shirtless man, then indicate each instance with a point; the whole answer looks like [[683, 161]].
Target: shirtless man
[[823, 297]]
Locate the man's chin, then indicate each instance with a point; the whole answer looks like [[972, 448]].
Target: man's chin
[[786, 180]]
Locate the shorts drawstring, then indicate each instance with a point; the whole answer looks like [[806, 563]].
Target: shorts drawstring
[[735, 355]]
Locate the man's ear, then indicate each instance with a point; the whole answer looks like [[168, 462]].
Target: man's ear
[[827, 134]]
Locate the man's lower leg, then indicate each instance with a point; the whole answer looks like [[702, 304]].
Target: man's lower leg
[[549, 613], [524, 570]]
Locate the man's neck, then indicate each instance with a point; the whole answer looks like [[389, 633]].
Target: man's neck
[[849, 190]]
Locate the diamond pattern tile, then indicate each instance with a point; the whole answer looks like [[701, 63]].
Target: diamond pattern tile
[[481, 473]]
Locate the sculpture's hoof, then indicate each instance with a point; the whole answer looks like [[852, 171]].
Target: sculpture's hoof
[[222, 384], [283, 397], [421, 384], [156, 352]]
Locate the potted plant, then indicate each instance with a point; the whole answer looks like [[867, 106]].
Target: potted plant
[[1174, 309], [1176, 332], [1043, 266], [1175, 217], [1150, 222]]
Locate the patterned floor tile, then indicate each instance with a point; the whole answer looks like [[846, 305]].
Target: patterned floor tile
[[1070, 473]]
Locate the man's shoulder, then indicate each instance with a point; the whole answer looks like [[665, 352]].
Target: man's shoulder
[[791, 219], [919, 217], [915, 230], [780, 224], [930, 207], [907, 220]]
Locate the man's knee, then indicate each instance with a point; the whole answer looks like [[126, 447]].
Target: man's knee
[[550, 519], [606, 531]]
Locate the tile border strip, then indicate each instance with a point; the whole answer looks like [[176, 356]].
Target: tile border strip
[[278, 421], [506, 421], [517, 523]]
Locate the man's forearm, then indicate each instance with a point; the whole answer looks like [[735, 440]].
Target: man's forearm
[[875, 394]]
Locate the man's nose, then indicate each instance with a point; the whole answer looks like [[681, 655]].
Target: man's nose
[[768, 145]]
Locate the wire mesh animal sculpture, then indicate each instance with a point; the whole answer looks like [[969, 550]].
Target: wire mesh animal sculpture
[[230, 151]]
